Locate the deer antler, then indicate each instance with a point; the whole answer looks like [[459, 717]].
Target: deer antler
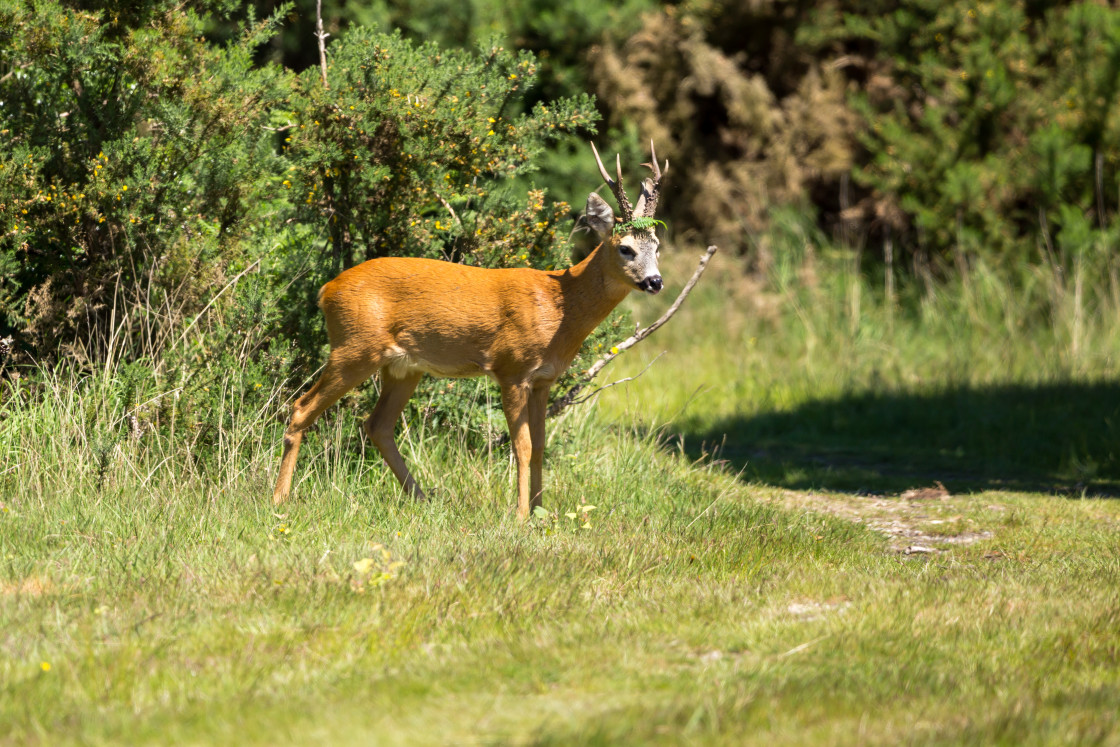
[[651, 188], [615, 185]]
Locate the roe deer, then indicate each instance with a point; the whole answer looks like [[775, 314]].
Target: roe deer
[[406, 317]]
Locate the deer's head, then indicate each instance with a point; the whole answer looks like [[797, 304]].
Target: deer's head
[[631, 239]]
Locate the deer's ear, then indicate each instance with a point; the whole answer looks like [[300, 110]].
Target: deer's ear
[[598, 216], [645, 198]]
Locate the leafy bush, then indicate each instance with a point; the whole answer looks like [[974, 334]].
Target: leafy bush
[[752, 126], [136, 172], [991, 124], [947, 130], [407, 150], [167, 199]]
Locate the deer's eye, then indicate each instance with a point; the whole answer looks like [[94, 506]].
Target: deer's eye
[[627, 252]]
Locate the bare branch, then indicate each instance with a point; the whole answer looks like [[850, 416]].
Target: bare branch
[[322, 37], [13, 71], [450, 209], [624, 380], [570, 396]]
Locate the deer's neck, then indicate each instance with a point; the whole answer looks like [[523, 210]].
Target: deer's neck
[[589, 292]]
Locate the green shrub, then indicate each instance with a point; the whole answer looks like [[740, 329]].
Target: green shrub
[[167, 199], [136, 171], [991, 125]]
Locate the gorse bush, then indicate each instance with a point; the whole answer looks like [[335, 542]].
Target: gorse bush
[[172, 205], [135, 171], [148, 160], [408, 149]]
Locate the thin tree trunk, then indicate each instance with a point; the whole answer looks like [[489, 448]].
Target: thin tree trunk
[[322, 37]]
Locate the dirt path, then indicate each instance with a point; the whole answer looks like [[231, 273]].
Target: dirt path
[[922, 521]]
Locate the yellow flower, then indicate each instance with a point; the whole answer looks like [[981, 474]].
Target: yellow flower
[[45, 666], [124, 187], [614, 350]]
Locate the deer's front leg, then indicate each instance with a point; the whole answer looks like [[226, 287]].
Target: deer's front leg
[[538, 408], [515, 403]]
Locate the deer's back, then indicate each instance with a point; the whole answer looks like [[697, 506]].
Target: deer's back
[[442, 318]]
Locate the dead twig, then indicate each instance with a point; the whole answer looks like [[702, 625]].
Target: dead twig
[[217, 295], [13, 71], [322, 37], [624, 380], [450, 209], [570, 397]]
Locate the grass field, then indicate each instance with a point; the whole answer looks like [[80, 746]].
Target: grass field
[[753, 570]]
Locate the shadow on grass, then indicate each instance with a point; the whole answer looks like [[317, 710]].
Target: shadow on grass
[[1056, 438]]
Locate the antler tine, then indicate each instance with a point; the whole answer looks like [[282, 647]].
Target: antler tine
[[653, 162], [648, 204], [602, 168], [615, 184], [657, 172]]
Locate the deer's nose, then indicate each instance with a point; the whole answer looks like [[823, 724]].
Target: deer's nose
[[652, 284]]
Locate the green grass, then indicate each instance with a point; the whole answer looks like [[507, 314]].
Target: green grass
[[730, 596], [976, 385]]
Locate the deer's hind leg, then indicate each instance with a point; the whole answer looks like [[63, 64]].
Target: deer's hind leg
[[395, 391], [336, 380]]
